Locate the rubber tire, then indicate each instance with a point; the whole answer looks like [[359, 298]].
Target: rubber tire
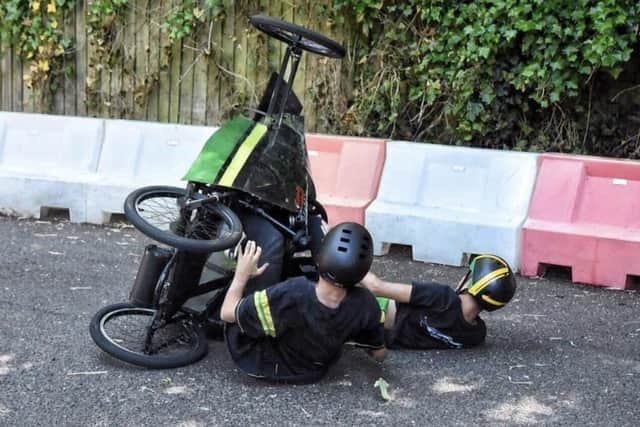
[[318, 209], [174, 240], [140, 359], [270, 25]]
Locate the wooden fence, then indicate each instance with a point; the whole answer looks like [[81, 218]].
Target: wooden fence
[[223, 68]]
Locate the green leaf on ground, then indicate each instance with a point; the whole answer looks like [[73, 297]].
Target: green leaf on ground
[[384, 388]]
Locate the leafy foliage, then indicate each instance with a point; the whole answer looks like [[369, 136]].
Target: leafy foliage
[[184, 19], [531, 75], [470, 70], [35, 28], [107, 20]]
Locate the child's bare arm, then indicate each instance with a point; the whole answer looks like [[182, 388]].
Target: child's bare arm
[[401, 292]]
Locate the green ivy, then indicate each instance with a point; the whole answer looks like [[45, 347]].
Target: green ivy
[[184, 19], [106, 18], [464, 70], [36, 30], [523, 74]]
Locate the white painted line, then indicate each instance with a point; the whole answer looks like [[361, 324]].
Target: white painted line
[[87, 373]]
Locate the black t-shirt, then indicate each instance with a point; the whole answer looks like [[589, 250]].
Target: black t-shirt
[[433, 319], [284, 333]]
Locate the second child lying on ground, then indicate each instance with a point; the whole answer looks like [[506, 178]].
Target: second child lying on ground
[[433, 315]]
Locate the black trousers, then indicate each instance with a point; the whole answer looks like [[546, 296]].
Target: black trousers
[[272, 242], [189, 265]]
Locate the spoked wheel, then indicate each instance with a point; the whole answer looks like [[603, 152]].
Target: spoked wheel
[[158, 212], [121, 331], [301, 37]]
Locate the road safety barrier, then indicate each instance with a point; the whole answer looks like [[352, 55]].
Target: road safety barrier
[[451, 202], [135, 154], [346, 172], [446, 202], [46, 161], [585, 214]]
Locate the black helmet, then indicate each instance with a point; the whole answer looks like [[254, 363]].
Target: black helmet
[[346, 254], [492, 282]]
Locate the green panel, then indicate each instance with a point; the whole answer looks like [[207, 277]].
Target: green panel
[[217, 149]]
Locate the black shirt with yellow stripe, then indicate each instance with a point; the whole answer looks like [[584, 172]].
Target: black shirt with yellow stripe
[[285, 333]]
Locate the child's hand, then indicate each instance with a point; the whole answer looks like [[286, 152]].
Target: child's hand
[[247, 265], [246, 268]]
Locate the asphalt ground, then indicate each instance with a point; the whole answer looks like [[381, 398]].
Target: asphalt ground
[[558, 354]]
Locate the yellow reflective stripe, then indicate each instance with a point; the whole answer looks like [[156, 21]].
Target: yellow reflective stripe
[[500, 260], [261, 303], [484, 281], [241, 156], [490, 300], [382, 316]]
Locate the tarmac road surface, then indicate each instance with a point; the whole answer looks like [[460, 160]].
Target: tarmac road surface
[[558, 354]]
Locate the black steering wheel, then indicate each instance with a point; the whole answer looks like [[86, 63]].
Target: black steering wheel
[[298, 36]]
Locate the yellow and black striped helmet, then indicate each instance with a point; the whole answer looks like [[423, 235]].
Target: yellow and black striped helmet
[[492, 283]]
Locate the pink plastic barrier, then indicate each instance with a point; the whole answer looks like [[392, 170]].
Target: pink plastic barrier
[[346, 172], [585, 214]]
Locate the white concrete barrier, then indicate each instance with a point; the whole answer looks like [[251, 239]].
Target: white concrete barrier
[[45, 162], [450, 202], [135, 154]]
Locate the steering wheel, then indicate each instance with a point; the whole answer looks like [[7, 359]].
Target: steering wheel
[[298, 36]]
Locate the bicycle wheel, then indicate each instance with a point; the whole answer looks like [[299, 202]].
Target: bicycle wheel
[[293, 34], [316, 208], [156, 211], [121, 329]]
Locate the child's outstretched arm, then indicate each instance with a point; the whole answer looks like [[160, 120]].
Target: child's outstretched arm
[[401, 292]]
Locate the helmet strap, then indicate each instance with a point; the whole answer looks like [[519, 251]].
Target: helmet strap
[[462, 283], [330, 279]]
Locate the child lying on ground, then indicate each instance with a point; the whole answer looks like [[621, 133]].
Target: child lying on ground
[[433, 315]]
